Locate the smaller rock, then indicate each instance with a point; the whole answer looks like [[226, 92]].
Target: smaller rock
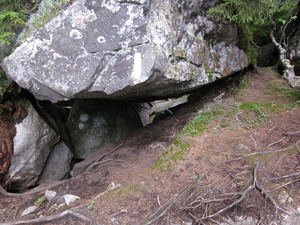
[[50, 195], [143, 110], [241, 146], [239, 220], [31, 147], [57, 166], [29, 210], [187, 223], [70, 198], [283, 197]]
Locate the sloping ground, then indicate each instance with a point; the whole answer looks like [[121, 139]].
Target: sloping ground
[[230, 160]]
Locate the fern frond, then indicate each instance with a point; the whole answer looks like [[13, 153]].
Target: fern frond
[[5, 37]]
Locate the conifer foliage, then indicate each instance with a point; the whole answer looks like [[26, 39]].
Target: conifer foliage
[[250, 16], [255, 12], [13, 16]]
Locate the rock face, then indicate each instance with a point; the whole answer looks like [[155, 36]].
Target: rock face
[[32, 145], [33, 142], [126, 50], [95, 123], [58, 163], [294, 52]]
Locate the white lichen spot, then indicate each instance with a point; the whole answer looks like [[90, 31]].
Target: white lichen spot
[[191, 30], [128, 57], [99, 122], [137, 67], [133, 13], [81, 126], [159, 27], [111, 5], [75, 34], [122, 30], [91, 17], [57, 55], [80, 16], [78, 22], [101, 39], [84, 117]]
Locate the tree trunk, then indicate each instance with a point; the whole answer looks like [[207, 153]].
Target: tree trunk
[[288, 69]]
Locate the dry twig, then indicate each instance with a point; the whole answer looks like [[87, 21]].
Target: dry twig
[[284, 185], [285, 176], [255, 144], [276, 142], [296, 132]]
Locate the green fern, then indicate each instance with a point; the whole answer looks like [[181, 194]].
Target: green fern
[[5, 37], [13, 16], [11, 20]]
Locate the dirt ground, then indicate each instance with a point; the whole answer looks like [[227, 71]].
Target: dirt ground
[[229, 160]]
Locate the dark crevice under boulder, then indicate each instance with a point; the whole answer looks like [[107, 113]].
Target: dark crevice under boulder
[[94, 123]]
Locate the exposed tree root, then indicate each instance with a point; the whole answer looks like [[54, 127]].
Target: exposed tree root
[[286, 184], [162, 210]]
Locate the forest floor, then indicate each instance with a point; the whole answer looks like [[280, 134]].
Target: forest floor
[[229, 160]]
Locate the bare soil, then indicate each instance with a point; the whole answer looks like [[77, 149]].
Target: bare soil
[[224, 167]]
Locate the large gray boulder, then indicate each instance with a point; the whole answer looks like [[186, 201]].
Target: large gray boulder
[[126, 50]]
